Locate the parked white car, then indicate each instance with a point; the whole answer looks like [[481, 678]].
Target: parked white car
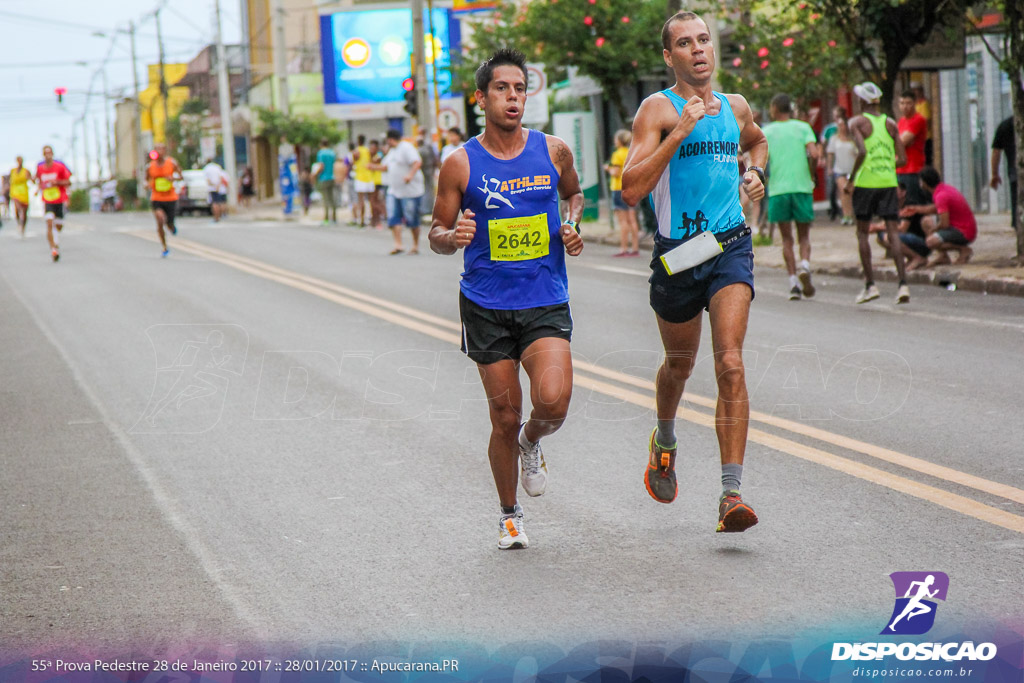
[[192, 193]]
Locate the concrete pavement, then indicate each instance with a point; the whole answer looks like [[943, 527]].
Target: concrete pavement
[[833, 251]]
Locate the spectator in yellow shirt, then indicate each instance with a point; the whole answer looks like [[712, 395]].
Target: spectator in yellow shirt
[[629, 230]]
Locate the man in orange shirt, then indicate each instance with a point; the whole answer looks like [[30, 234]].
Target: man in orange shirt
[[160, 176]]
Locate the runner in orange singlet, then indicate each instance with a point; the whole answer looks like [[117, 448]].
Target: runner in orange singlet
[[160, 177]]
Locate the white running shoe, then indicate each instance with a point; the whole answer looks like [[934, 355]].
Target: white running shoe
[[511, 533], [533, 472], [805, 282], [903, 295], [870, 293]]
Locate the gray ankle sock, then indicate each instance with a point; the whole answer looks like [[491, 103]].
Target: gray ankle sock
[[666, 436], [731, 474]]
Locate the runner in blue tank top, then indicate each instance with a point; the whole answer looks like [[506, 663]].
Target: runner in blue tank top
[[686, 141], [514, 299]]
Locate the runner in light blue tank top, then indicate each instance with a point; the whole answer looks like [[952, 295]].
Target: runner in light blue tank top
[[708, 156], [684, 154]]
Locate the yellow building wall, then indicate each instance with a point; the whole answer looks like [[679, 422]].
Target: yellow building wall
[[151, 101]]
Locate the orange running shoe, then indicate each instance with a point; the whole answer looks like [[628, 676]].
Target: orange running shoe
[[733, 514], [660, 477]]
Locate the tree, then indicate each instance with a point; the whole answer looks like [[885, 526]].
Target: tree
[[301, 131], [1011, 60], [612, 41], [781, 47], [184, 130], [881, 33]]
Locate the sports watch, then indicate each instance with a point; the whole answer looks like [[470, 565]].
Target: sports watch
[[759, 171]]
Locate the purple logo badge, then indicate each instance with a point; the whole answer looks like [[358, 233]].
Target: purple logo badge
[[916, 593]]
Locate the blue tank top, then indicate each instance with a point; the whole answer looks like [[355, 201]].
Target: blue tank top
[[699, 189], [516, 259]]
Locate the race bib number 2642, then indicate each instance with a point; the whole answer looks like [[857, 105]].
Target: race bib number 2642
[[519, 239]]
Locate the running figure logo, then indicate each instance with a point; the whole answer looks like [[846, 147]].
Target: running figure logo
[[195, 364], [493, 194], [914, 612]]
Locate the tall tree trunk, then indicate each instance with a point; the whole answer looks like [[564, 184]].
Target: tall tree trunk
[[1014, 16]]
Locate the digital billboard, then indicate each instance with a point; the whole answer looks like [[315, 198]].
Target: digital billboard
[[366, 54]]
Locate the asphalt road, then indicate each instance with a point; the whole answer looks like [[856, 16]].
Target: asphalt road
[[272, 437]]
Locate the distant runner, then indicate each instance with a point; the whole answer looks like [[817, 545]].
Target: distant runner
[[20, 177], [53, 178], [160, 176]]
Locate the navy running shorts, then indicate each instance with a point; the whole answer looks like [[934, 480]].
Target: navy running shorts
[[681, 297], [490, 335]]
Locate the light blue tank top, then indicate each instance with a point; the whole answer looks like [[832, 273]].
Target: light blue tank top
[[699, 189], [516, 259]]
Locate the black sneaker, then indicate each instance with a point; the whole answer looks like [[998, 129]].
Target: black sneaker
[[660, 477], [733, 514], [794, 294]]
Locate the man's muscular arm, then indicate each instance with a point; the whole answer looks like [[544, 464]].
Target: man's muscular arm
[[446, 236], [648, 153], [569, 191], [856, 128]]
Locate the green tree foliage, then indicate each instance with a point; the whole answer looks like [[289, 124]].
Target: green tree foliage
[[612, 41], [771, 47], [185, 129], [848, 40], [305, 131]]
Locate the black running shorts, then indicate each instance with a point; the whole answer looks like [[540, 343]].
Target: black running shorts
[[168, 208], [490, 335], [57, 210], [869, 202]]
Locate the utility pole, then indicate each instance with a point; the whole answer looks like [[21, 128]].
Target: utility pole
[[420, 75], [280, 55], [163, 79], [106, 121], [85, 146], [140, 166], [224, 91], [99, 151]]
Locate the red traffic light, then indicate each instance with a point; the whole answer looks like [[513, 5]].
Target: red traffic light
[[409, 84]]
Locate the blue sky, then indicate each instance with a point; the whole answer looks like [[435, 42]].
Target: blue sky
[[43, 43]]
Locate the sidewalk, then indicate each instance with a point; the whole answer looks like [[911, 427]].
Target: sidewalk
[[833, 250]]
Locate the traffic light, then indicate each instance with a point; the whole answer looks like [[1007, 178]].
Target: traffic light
[[60, 92], [411, 106]]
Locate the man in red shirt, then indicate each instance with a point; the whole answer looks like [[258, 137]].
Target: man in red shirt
[[948, 221], [913, 130], [53, 178]]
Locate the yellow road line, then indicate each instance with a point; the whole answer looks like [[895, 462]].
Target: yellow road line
[[399, 315], [952, 501], [885, 454]]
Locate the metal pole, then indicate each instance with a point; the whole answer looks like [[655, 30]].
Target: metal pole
[[85, 145], [99, 150], [420, 74], [163, 79], [226, 127], [106, 122], [140, 166], [280, 56]]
